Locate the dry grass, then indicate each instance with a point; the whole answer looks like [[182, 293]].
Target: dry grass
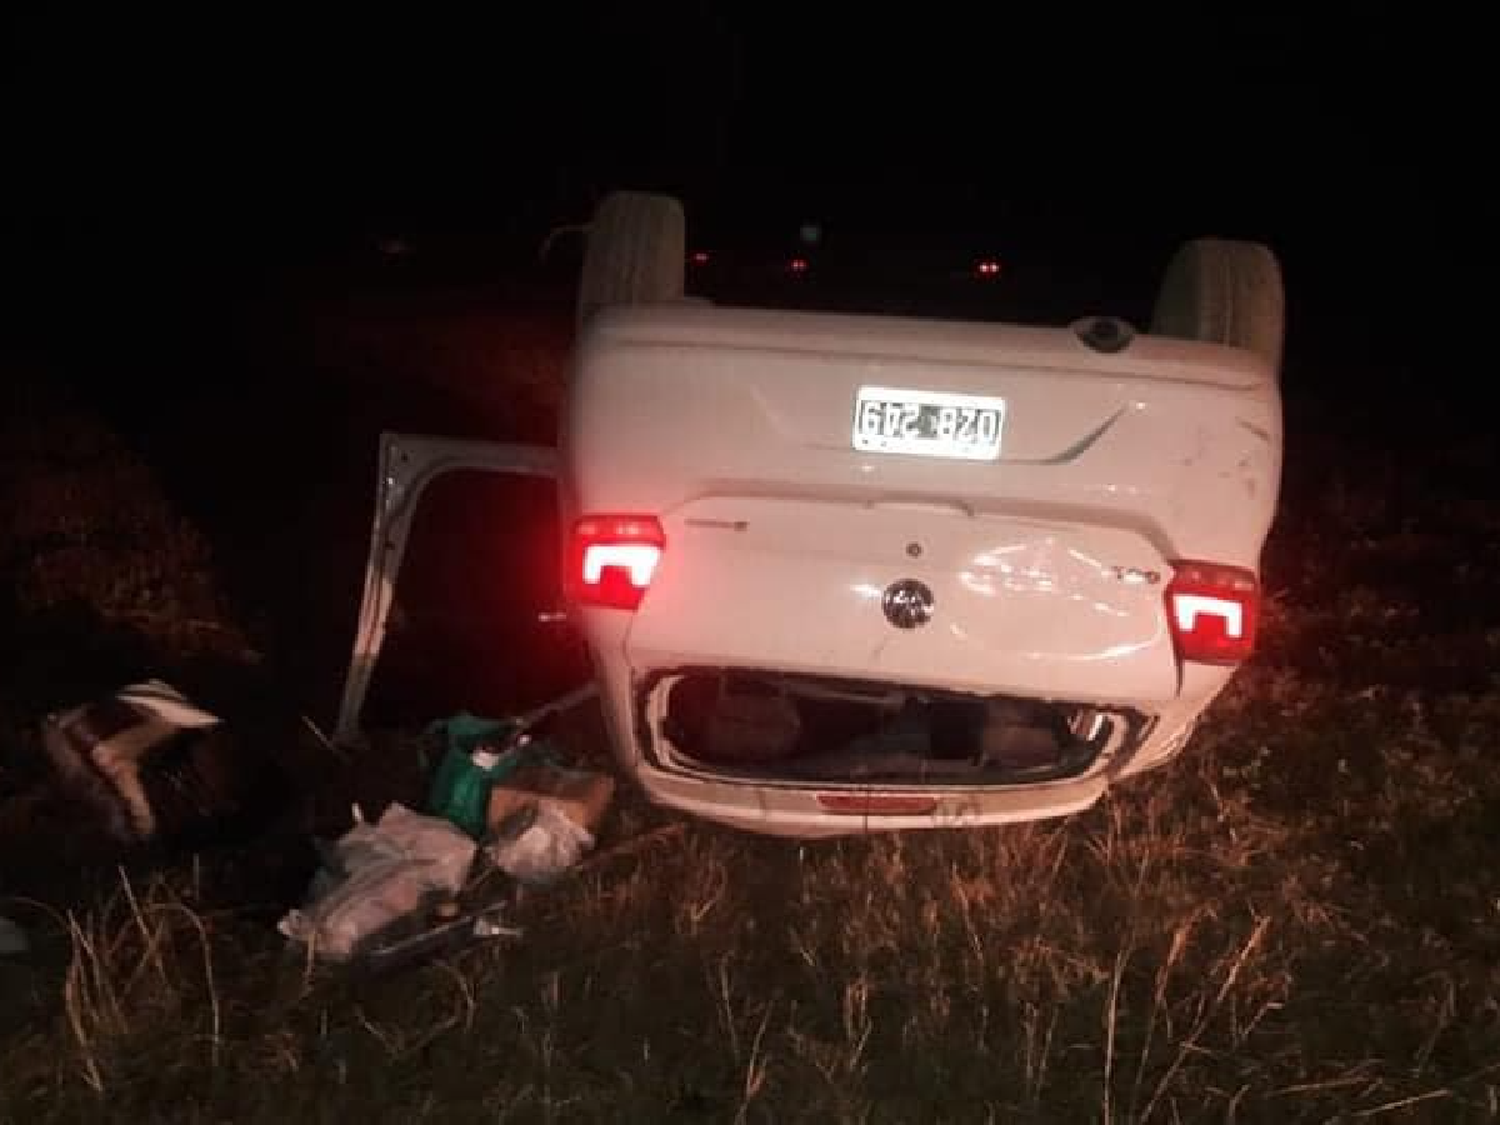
[[1201, 946], [1297, 921]]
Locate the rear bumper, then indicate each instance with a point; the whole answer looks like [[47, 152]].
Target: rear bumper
[[781, 809], [795, 811]]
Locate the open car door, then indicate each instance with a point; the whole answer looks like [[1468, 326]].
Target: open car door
[[408, 464]]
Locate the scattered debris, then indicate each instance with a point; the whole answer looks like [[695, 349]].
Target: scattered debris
[[483, 752], [479, 752], [544, 818], [12, 938], [388, 893], [483, 924], [130, 753], [582, 796], [538, 844], [466, 732], [377, 878]]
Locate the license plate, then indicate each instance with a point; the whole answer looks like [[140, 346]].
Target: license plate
[[928, 423]]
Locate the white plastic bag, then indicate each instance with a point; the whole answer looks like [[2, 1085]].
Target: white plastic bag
[[376, 875], [445, 849], [539, 844]]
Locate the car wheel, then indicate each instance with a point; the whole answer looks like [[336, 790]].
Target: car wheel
[[1224, 292], [635, 254]]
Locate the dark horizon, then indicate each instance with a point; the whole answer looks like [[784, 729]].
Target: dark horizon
[[151, 153]]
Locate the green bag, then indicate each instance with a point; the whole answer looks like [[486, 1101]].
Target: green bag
[[473, 762]]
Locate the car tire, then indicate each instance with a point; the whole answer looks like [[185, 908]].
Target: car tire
[[635, 253], [1224, 292]]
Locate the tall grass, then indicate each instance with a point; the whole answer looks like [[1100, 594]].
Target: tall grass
[[1298, 920]]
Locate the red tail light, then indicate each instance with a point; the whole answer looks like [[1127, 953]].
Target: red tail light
[[1213, 611], [611, 559]]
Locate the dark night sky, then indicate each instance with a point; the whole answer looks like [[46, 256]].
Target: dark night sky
[[1092, 140]]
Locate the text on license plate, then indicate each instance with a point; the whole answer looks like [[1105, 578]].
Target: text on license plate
[[928, 423]]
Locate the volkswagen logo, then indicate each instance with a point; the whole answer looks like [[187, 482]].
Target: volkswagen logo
[[907, 603]]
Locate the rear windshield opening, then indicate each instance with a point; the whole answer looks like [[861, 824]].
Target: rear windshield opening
[[807, 729]]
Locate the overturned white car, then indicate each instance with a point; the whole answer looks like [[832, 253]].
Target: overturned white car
[[841, 573]]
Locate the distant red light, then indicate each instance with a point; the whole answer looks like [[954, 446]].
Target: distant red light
[[797, 265], [700, 258], [987, 267]]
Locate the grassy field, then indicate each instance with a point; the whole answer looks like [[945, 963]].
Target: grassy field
[[1297, 921]]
